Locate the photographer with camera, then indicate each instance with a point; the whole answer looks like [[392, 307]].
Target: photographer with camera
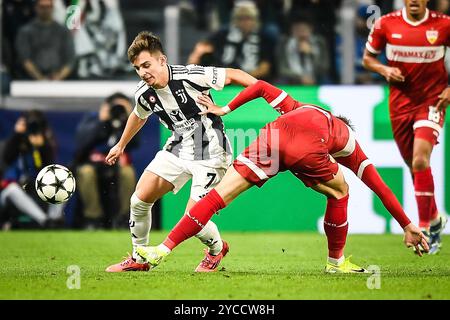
[[30, 148], [102, 188]]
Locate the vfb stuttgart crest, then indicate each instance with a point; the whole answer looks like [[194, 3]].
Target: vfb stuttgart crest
[[432, 36]]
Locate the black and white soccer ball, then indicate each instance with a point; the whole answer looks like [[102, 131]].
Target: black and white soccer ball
[[55, 184]]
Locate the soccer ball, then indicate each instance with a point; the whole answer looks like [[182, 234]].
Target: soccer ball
[[55, 184]]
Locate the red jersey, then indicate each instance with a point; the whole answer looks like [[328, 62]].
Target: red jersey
[[305, 137], [418, 50]]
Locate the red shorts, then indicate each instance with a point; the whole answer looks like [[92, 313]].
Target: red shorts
[[424, 124], [300, 141]]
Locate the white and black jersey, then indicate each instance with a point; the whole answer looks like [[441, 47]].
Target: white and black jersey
[[194, 137]]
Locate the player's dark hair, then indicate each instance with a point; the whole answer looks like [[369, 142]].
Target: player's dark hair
[[144, 41], [35, 122], [346, 121], [117, 95], [300, 17]]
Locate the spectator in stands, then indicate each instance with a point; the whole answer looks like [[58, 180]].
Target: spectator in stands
[[100, 37], [362, 29], [389, 6], [443, 6], [203, 54], [242, 45], [201, 9], [303, 56], [104, 190], [30, 148], [6, 64], [15, 14], [323, 14], [45, 48], [271, 14], [362, 76]]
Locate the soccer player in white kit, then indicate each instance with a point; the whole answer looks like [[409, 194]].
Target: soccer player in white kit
[[198, 148]]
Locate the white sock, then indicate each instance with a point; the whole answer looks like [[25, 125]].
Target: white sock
[[210, 236], [140, 224], [163, 248], [336, 262]]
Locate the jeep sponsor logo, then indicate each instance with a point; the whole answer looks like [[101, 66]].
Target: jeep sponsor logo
[[422, 55]]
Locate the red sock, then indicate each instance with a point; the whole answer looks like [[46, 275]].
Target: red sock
[[194, 221], [373, 180], [424, 189], [336, 226]]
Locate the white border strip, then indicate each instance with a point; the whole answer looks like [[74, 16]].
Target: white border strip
[[363, 166], [226, 109], [349, 147], [278, 99], [414, 54], [258, 171], [426, 194], [65, 89], [428, 124], [415, 23], [324, 112], [371, 49]]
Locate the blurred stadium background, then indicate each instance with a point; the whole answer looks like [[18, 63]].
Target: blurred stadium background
[[69, 105], [328, 72]]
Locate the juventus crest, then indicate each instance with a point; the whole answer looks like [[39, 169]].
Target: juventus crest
[[432, 36], [182, 94]]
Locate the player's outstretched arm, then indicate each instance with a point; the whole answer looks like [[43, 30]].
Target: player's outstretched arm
[[414, 237], [134, 124], [274, 96], [237, 76], [361, 166], [258, 89], [210, 106]]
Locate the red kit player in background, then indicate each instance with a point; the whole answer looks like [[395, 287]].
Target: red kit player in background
[[415, 40], [308, 141]]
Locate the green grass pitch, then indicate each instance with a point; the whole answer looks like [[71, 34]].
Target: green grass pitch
[[259, 266]]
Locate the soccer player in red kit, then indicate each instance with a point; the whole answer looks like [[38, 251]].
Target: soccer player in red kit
[[306, 140], [415, 39]]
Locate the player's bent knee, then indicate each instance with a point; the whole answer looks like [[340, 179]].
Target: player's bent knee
[[344, 190], [334, 191], [340, 192], [420, 163]]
